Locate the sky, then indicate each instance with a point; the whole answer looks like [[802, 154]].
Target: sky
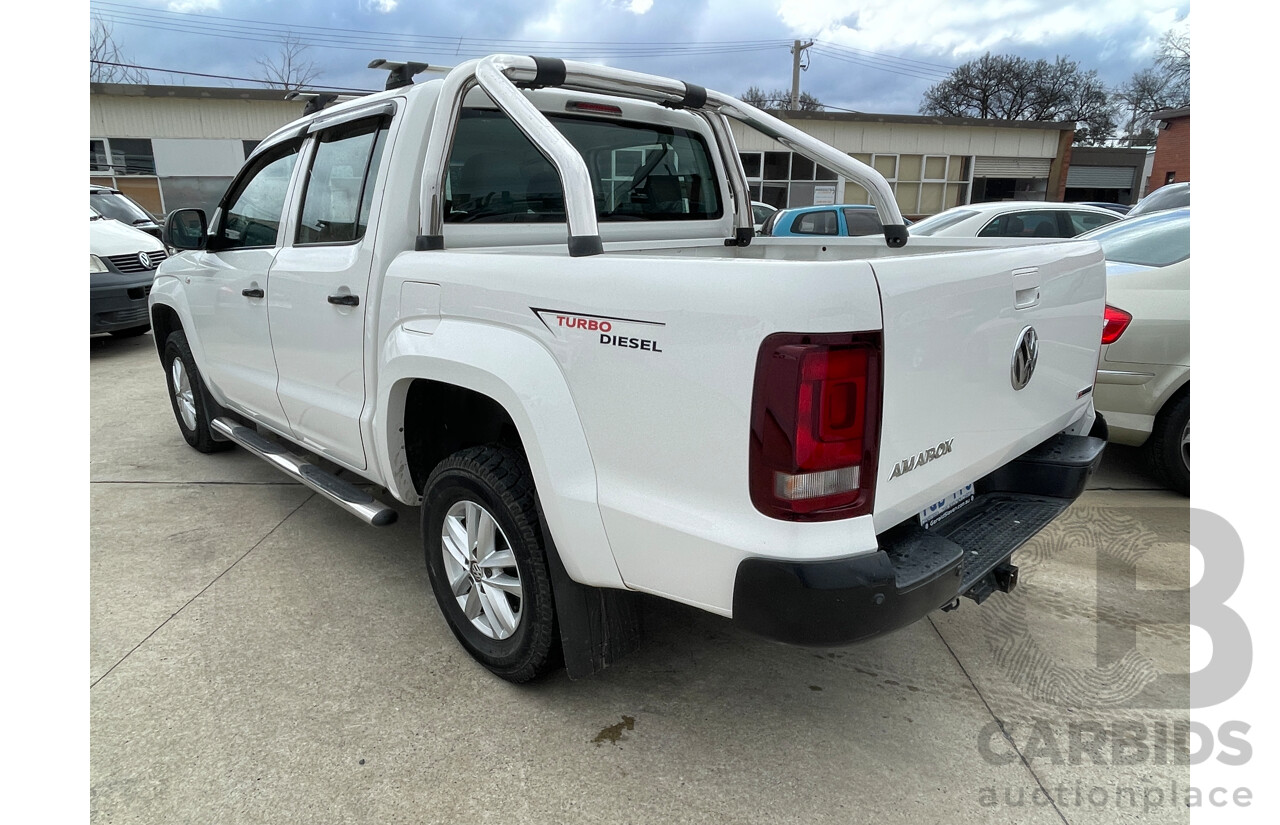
[[874, 56]]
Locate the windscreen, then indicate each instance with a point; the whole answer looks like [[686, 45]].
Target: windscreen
[[116, 205], [639, 172]]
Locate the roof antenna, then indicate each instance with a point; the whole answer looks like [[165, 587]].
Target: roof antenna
[[401, 73]]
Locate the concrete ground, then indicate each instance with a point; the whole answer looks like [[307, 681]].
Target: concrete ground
[[256, 655]]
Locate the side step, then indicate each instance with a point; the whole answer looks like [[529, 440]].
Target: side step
[[342, 493]]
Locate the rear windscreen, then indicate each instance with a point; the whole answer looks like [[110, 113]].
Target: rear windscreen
[[639, 172]]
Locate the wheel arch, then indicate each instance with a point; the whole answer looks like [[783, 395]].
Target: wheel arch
[[467, 384]]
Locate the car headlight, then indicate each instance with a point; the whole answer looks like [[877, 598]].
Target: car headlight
[[96, 264]]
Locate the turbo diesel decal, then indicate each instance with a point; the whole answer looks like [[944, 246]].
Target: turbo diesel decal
[[603, 329]]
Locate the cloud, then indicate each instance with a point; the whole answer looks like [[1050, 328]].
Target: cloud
[[194, 5], [381, 6]]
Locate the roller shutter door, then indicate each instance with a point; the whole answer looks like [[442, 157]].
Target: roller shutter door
[[1011, 167], [1100, 177]]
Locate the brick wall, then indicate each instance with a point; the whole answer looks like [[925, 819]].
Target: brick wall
[[1173, 154]]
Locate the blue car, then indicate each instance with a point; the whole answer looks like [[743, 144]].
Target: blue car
[[837, 219]]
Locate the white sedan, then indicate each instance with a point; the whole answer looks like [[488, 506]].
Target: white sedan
[[1015, 219], [1143, 391]]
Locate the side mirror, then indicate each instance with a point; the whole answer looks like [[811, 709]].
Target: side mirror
[[186, 229]]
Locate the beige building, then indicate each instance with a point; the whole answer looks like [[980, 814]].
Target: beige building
[[932, 163], [179, 146]]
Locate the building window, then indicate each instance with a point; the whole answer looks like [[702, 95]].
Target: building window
[[99, 159], [1170, 177], [132, 156], [923, 184], [783, 179]]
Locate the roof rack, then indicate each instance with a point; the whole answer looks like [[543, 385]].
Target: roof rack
[[317, 100], [401, 74]]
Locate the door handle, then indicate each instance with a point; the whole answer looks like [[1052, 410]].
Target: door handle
[[253, 293], [345, 300]]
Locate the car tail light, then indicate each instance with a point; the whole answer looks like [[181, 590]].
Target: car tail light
[[815, 425], [1114, 323]]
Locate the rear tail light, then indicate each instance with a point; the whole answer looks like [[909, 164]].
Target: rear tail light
[[815, 425], [1114, 323]]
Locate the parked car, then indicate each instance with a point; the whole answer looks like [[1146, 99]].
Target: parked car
[[1169, 196], [122, 264], [1118, 208], [1015, 219], [1143, 391], [836, 219], [761, 212], [112, 203]]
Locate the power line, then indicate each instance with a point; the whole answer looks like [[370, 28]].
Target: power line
[[216, 76], [918, 74], [355, 39], [906, 62]]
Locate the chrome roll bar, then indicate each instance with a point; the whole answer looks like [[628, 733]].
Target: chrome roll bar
[[502, 76]]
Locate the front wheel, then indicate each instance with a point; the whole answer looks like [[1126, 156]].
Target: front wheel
[[186, 394], [1170, 446], [487, 563]]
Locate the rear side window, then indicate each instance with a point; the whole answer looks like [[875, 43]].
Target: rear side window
[[816, 223], [863, 222], [941, 221], [1041, 223], [1085, 221], [1160, 240], [340, 182], [639, 172]]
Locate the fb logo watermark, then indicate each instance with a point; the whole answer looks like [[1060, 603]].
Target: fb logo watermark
[[1120, 675], [1117, 708]]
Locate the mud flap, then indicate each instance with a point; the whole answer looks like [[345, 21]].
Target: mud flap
[[598, 625]]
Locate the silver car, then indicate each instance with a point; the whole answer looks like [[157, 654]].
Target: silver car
[[1143, 390]]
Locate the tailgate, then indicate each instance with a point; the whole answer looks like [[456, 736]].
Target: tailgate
[[954, 324]]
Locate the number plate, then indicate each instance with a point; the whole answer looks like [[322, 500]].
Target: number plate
[[930, 515]]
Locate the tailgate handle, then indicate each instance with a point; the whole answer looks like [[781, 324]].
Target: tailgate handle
[[1026, 287]]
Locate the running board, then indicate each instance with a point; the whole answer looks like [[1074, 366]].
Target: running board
[[342, 493]]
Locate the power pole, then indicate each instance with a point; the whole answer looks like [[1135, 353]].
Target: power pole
[[797, 49]]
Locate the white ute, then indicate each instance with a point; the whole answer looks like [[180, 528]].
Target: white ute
[[526, 296]]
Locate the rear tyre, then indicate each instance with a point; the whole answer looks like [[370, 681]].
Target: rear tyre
[[487, 563], [1169, 447], [187, 395]]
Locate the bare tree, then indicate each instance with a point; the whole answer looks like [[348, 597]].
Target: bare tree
[[290, 69], [1166, 84], [1007, 87], [107, 63], [779, 100]]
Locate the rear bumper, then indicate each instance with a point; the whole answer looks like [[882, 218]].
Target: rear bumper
[[917, 570]]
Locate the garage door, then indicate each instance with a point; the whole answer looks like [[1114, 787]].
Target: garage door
[[991, 167], [1100, 177]]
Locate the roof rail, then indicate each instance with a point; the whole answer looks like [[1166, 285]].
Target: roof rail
[[502, 76]]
